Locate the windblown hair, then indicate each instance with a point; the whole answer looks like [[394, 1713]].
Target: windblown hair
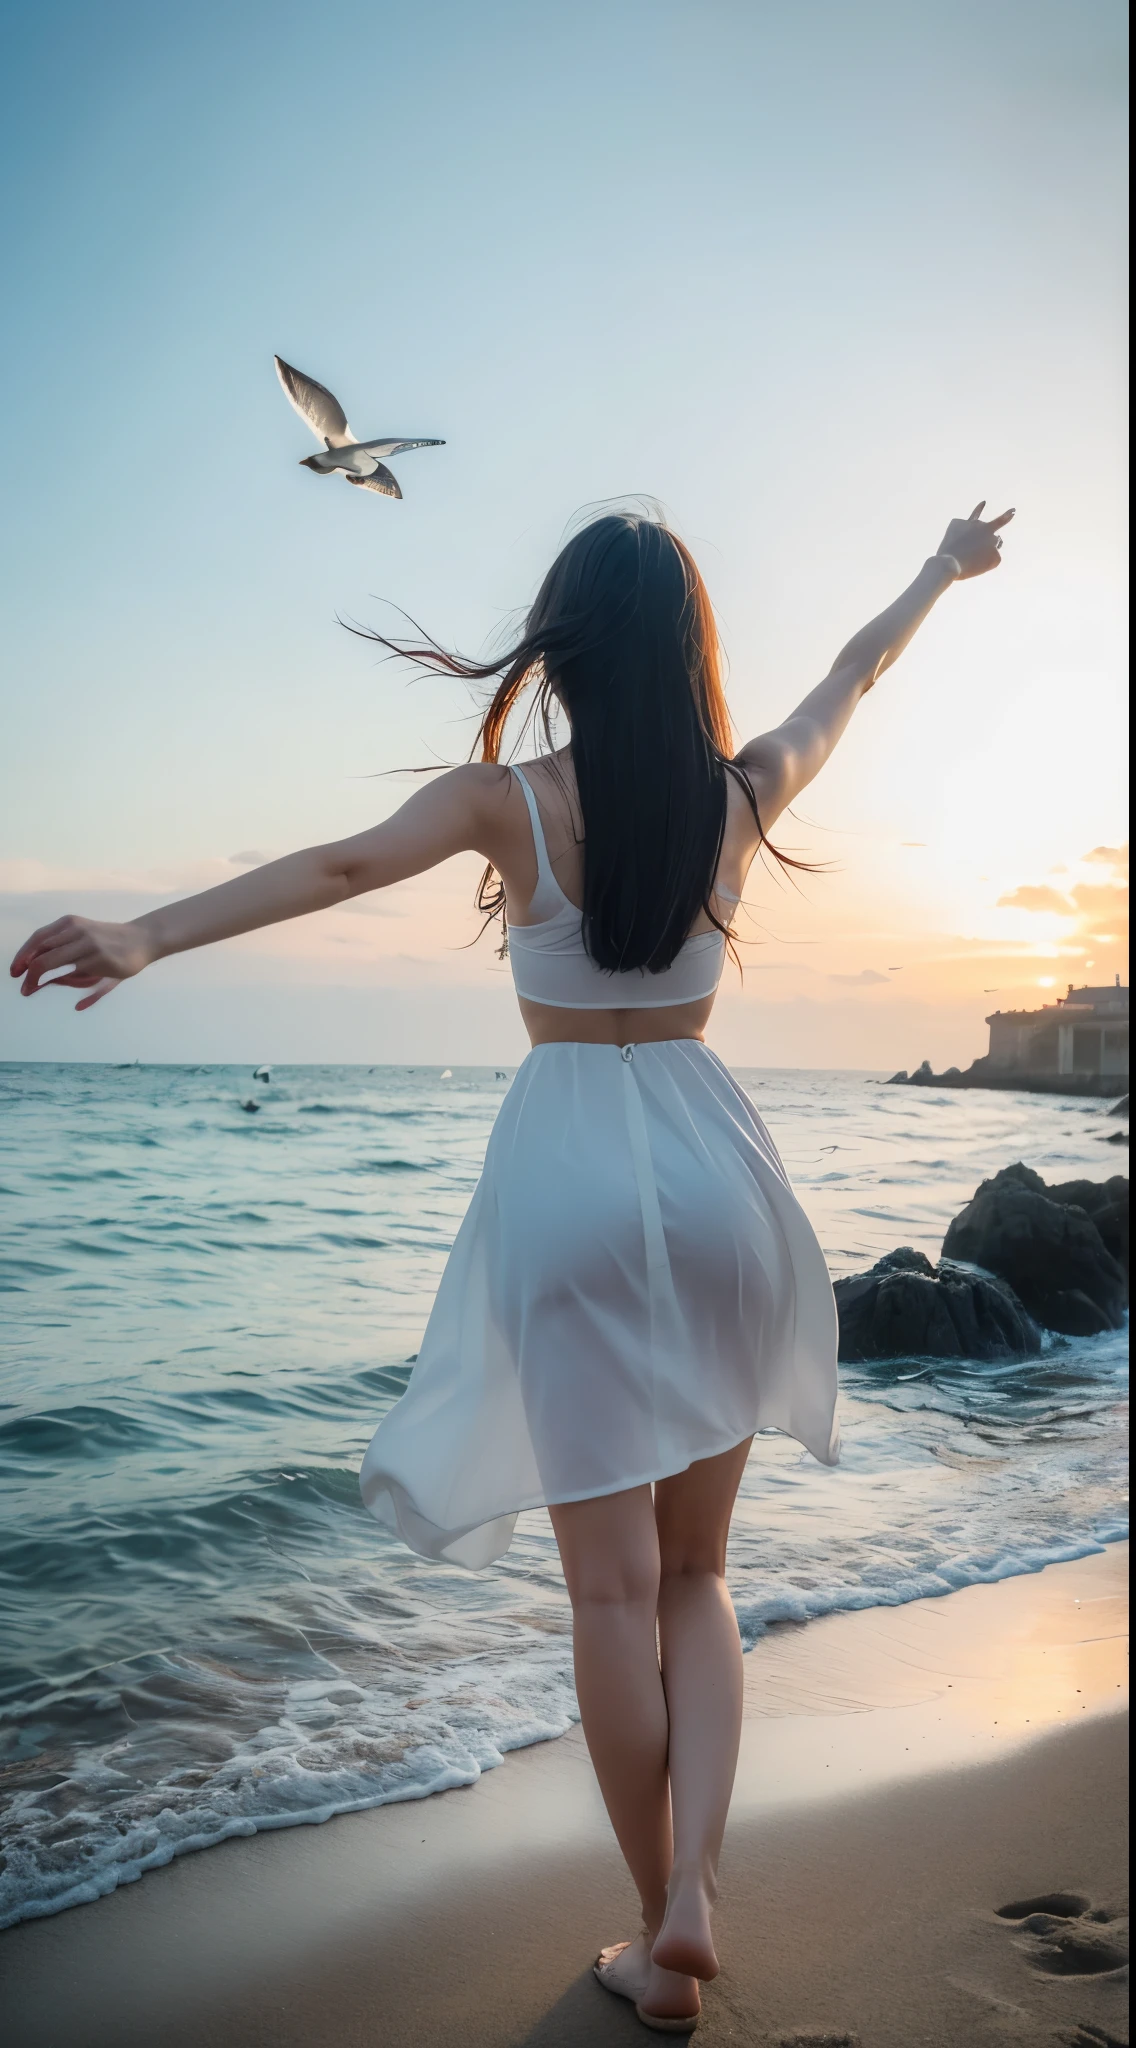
[[622, 635]]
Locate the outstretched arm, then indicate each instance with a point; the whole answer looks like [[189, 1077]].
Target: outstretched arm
[[458, 811], [782, 762]]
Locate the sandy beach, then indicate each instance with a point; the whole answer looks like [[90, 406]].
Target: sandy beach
[[905, 1774]]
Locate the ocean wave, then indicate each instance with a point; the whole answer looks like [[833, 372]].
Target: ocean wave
[[336, 1746], [47, 1439], [366, 1167], [982, 1568], [332, 1750]]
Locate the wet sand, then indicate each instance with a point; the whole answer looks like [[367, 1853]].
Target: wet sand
[[905, 1773]]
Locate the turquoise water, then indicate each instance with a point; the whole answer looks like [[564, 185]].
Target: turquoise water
[[205, 1312]]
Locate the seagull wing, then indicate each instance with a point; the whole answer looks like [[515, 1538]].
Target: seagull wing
[[315, 404], [393, 446], [380, 480]]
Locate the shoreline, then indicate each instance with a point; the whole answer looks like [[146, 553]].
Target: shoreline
[[969, 1745]]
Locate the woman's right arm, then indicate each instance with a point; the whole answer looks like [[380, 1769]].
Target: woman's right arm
[[782, 762], [461, 810]]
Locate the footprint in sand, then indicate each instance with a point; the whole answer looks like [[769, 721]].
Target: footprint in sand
[[811, 2038], [1071, 1936]]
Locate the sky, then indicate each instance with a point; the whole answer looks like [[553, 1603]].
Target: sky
[[813, 279]]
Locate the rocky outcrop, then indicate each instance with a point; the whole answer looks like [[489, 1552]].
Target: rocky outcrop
[[1106, 1201], [1048, 1247], [980, 1074], [908, 1308]]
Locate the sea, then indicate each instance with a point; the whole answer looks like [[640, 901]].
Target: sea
[[206, 1308]]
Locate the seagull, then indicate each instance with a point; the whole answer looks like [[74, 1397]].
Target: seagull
[[359, 460]]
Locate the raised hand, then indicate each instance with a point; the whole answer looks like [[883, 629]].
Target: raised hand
[[98, 956], [975, 543]]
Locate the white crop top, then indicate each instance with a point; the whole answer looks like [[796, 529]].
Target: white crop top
[[552, 965]]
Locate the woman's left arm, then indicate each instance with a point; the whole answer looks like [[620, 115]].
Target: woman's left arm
[[457, 812], [781, 763]]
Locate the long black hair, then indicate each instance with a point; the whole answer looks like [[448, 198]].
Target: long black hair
[[622, 635]]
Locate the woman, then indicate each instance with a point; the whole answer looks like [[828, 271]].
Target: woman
[[634, 1290]]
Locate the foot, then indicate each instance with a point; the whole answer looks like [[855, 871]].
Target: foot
[[628, 1970], [684, 1942]]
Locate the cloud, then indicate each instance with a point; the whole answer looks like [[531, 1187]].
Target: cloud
[[1096, 911], [778, 967], [24, 877], [1097, 899], [1037, 896], [1102, 910], [865, 979], [372, 906], [1109, 857]]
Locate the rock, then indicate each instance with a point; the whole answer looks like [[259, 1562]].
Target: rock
[[1117, 1138], [1050, 1250], [924, 1073], [901, 1076], [1120, 1108], [908, 1308], [1106, 1201], [905, 1259]]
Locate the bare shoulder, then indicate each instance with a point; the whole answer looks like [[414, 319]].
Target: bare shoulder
[[483, 781], [489, 798], [478, 789]]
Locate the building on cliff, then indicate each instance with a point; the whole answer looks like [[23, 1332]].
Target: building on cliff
[[1083, 1033], [1075, 1046]]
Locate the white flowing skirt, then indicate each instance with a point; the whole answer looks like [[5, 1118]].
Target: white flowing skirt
[[634, 1286]]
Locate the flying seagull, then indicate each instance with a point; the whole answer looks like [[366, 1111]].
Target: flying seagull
[[360, 461]]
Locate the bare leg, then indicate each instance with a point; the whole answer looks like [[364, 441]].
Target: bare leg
[[702, 1677], [610, 1552]]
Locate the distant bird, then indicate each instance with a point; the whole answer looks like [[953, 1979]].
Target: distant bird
[[262, 1073], [359, 460], [895, 970], [991, 991]]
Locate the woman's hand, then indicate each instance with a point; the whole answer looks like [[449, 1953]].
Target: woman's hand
[[99, 956], [975, 543]]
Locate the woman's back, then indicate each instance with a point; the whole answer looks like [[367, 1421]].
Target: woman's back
[[564, 994]]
